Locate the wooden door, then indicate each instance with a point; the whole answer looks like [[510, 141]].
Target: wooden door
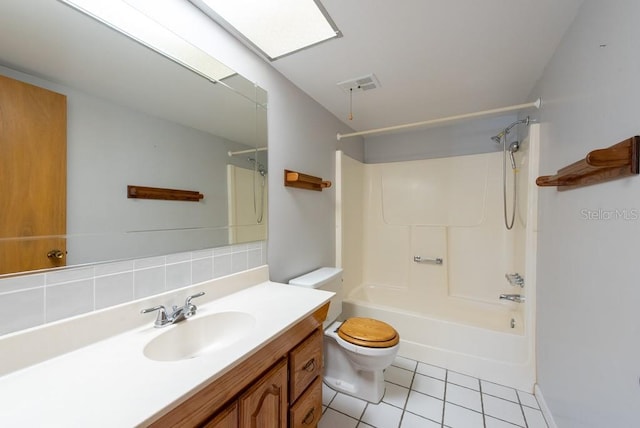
[[265, 404], [33, 177]]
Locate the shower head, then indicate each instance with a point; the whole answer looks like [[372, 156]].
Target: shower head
[[498, 138], [259, 166]]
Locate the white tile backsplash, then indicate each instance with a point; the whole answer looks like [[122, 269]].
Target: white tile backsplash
[[23, 282], [22, 309], [68, 299], [147, 282], [178, 275], [113, 289], [239, 261], [222, 265], [202, 269], [69, 275], [46, 297]]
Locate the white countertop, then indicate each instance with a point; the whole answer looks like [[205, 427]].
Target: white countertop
[[111, 383]]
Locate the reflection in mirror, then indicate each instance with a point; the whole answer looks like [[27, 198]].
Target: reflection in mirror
[[133, 117]]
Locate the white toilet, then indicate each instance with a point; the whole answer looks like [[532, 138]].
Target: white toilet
[[357, 350]]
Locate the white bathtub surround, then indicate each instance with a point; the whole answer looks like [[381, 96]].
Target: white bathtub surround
[[80, 369], [447, 314], [34, 299]]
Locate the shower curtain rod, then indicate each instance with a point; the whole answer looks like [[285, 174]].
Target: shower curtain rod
[[243, 152], [443, 120]]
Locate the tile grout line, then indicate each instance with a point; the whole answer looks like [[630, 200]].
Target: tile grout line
[[444, 397], [406, 400], [484, 418], [524, 417]]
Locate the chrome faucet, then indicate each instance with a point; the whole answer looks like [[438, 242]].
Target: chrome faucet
[[515, 279], [178, 313], [513, 297]]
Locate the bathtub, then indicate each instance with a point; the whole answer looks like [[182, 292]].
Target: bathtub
[[449, 313], [464, 336]]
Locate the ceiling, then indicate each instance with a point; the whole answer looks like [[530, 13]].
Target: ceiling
[[432, 58]]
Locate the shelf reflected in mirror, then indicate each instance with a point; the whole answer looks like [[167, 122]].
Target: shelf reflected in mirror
[[136, 117]]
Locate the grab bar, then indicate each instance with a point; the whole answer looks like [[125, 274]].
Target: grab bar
[[437, 261]]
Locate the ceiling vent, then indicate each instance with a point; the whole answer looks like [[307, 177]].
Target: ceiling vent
[[360, 84]]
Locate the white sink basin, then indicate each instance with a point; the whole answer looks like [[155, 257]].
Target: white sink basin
[[199, 335]]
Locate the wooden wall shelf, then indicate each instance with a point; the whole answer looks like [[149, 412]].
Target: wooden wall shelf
[[304, 181], [142, 192], [618, 161]]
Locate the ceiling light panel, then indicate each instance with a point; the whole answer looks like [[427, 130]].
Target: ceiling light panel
[[274, 27]]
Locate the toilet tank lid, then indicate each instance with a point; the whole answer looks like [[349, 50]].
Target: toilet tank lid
[[317, 278]]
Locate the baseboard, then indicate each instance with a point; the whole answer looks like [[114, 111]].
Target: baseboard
[[543, 406]]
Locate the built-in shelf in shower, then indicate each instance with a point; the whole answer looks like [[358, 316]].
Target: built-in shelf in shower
[[618, 161]]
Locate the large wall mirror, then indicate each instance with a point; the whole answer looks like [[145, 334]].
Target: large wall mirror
[[132, 117]]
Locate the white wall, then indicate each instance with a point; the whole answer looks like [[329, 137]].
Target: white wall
[[588, 293], [302, 137]]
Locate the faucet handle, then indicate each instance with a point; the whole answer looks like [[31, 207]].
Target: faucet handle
[[161, 319], [188, 301], [190, 308]]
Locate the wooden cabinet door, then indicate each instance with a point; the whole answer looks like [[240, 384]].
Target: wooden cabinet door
[[265, 404], [33, 176], [228, 418]]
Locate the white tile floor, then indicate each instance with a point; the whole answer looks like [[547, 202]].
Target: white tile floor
[[419, 395]]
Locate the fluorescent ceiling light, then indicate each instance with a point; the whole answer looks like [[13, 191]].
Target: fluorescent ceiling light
[[147, 31], [274, 27]]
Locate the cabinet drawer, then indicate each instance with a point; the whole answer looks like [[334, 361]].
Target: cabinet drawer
[[307, 411], [305, 364]]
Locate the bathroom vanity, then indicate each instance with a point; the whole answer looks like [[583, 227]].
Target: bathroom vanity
[[109, 368], [281, 379]]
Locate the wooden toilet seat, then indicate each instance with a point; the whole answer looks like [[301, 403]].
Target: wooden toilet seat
[[369, 333]]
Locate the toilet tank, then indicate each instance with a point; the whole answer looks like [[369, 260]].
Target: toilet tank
[[328, 279]]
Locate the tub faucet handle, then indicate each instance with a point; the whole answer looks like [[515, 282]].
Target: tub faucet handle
[[515, 279], [513, 298]]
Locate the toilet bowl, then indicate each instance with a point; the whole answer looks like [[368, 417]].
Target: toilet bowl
[[356, 350]]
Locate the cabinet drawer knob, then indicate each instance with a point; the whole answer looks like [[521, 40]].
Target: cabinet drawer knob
[[310, 366], [310, 417]]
